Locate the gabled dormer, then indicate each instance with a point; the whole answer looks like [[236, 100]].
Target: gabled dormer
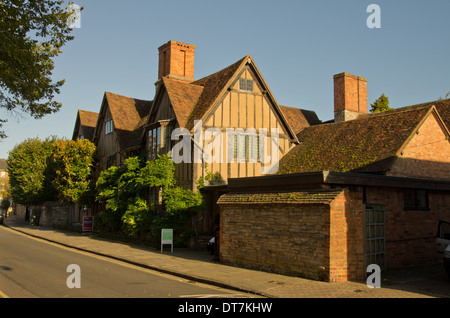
[[85, 125], [119, 125]]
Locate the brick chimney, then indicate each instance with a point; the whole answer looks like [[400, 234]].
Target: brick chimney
[[350, 96], [176, 60]]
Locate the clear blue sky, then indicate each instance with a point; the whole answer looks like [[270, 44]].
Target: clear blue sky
[[297, 45]]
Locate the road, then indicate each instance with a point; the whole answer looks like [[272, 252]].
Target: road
[[31, 268]]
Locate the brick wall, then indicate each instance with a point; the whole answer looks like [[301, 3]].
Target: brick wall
[[346, 237], [321, 242], [410, 234], [286, 239], [427, 154]]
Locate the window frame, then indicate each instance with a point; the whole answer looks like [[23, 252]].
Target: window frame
[[154, 142], [246, 85], [244, 147], [416, 199], [109, 127]]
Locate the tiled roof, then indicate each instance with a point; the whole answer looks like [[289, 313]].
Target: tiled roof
[[318, 196], [298, 118], [127, 112], [183, 98], [88, 121], [129, 116], [368, 144]]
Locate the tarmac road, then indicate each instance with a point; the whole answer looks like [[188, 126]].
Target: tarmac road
[[428, 281], [32, 268]]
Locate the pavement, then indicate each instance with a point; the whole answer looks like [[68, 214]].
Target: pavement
[[412, 282]]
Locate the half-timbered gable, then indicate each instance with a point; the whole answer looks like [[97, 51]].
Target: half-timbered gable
[[245, 112], [233, 125]]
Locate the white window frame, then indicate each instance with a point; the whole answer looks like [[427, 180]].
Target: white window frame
[[109, 127]]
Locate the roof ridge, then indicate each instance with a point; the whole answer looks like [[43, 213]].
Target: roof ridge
[[214, 85], [180, 81], [120, 95], [223, 69], [376, 115]]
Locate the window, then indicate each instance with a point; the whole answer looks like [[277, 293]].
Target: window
[[416, 199], [154, 140], [246, 85], [153, 198], [109, 127], [246, 146]]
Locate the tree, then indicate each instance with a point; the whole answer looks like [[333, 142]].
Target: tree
[[32, 34], [5, 204], [123, 190], [380, 105], [31, 173], [72, 161]]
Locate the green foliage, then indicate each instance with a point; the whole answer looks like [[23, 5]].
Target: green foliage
[[380, 105], [32, 34], [137, 218], [50, 170], [72, 163], [5, 204], [31, 172], [178, 200], [159, 173], [123, 190], [108, 221]]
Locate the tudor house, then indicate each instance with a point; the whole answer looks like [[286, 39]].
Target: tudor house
[[232, 113], [359, 189], [220, 116]]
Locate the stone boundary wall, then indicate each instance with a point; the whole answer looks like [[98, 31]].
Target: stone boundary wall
[[53, 213]]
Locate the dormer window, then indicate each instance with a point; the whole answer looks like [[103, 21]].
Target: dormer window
[[246, 85], [109, 127]]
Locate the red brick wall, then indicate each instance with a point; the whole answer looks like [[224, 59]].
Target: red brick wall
[[346, 237], [322, 242], [410, 234], [427, 154], [285, 239]]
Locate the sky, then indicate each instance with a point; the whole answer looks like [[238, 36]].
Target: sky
[[297, 45]]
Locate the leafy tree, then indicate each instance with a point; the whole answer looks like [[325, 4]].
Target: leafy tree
[[123, 190], [72, 161], [5, 204], [32, 34], [31, 173], [380, 105]]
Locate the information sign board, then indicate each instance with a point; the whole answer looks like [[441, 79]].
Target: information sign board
[[167, 238]]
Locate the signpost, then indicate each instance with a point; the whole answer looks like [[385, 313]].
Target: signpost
[[88, 224], [167, 238]]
